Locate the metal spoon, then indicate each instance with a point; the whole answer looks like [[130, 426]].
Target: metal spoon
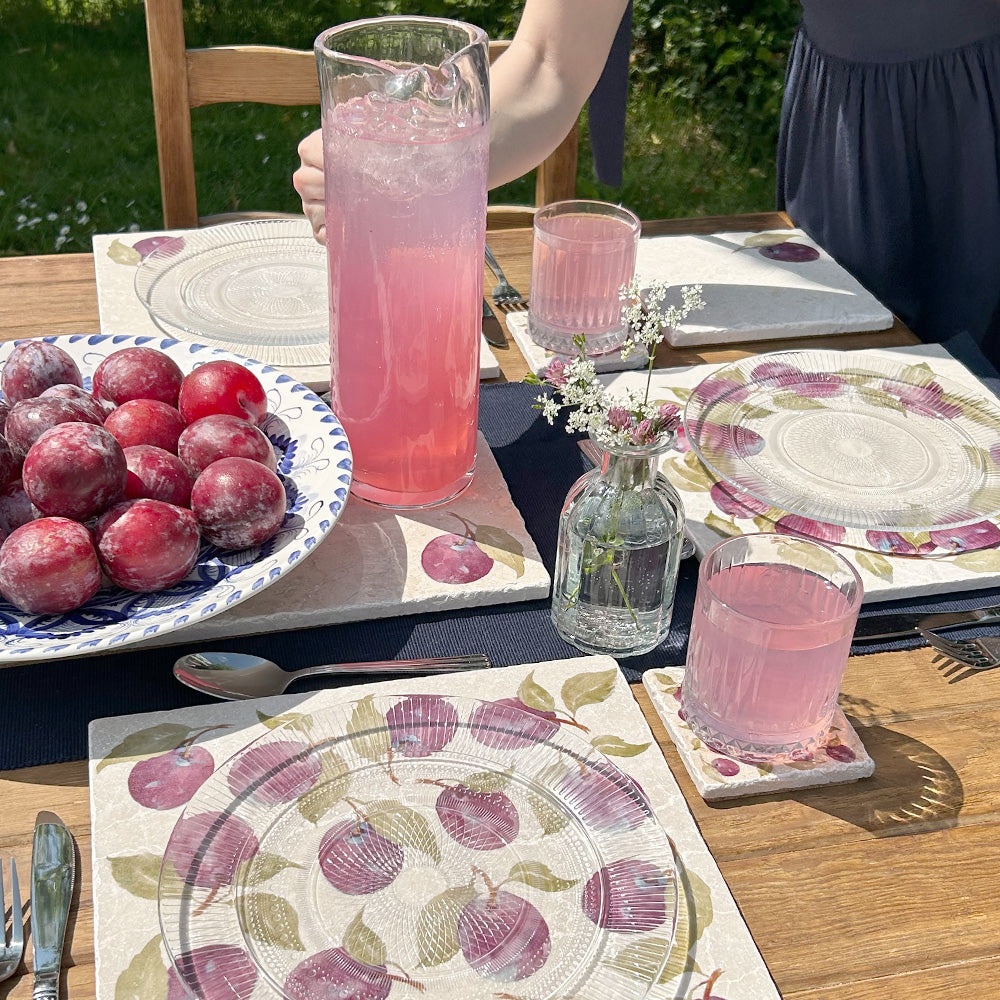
[[236, 676]]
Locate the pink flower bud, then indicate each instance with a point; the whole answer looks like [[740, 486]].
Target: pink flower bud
[[670, 415], [644, 433], [555, 374], [619, 418]]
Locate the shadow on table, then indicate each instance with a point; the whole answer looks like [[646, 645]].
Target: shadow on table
[[68, 774], [913, 788]]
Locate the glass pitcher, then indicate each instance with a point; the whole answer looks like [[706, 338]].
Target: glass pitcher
[[405, 105]]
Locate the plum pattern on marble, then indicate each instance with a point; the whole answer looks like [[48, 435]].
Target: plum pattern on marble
[[482, 847], [733, 512]]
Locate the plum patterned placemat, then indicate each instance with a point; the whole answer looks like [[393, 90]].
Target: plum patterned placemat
[[718, 776], [885, 576], [472, 551], [538, 357], [712, 942], [122, 312], [758, 292]]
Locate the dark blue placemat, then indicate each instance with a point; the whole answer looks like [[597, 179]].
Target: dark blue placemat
[[45, 707]]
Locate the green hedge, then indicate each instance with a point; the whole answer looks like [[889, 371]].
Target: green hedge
[[727, 58], [78, 154]]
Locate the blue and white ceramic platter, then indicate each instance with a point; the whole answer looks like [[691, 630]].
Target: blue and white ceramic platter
[[314, 464]]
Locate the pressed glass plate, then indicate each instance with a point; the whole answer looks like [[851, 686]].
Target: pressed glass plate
[[261, 282], [872, 443], [418, 845]]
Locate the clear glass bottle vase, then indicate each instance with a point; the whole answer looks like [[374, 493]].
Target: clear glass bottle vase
[[620, 538]]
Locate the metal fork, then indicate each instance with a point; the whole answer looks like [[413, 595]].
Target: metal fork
[[10, 954], [505, 295], [977, 654]]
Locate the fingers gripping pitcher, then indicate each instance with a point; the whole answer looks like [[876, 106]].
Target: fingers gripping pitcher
[[405, 105]]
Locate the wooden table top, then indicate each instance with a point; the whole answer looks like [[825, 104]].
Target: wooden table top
[[884, 888]]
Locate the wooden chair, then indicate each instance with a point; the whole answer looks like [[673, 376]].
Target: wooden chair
[[186, 78]]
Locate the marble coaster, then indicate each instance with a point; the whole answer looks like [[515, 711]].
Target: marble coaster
[[372, 565], [718, 776], [538, 358], [122, 313]]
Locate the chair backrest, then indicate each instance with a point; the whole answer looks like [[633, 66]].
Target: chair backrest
[[184, 78]]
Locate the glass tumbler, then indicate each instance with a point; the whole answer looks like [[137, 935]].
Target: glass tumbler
[[770, 635], [405, 110], [583, 252]]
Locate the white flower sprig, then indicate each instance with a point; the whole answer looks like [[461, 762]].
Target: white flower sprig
[[616, 421]]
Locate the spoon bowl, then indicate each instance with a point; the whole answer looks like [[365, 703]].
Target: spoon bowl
[[238, 676]]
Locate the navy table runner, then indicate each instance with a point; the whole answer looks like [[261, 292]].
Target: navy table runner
[[45, 707]]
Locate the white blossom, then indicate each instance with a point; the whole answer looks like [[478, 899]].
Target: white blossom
[[574, 383]]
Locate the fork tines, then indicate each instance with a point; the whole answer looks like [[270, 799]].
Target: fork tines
[[966, 651], [11, 954], [509, 301]]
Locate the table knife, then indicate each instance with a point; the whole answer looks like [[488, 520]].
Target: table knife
[[892, 624], [492, 330], [53, 866]]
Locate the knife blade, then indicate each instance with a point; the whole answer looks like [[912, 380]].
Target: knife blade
[[892, 625], [492, 330], [53, 866]]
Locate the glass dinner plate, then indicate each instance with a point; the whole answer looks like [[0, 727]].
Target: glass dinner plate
[[418, 845], [262, 282], [862, 442]]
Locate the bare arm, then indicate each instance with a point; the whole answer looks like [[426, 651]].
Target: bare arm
[[539, 85], [537, 88]]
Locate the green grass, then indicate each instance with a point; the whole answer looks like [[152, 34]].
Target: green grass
[[78, 152]]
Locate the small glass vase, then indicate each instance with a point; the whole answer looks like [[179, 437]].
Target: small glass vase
[[620, 537]]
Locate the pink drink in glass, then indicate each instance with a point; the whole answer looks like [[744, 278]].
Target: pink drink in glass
[[583, 252], [769, 644]]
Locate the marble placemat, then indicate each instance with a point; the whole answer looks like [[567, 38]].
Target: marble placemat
[[122, 313], [379, 562], [750, 297], [718, 776], [538, 357], [885, 577], [712, 941]]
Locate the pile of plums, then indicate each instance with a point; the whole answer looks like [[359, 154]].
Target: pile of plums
[[128, 479]]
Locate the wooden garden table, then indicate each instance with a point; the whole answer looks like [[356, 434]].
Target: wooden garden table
[[885, 888]]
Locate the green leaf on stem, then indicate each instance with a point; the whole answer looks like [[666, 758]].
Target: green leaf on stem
[[588, 689], [437, 925], [369, 729], [145, 977], [615, 746], [122, 254], [539, 876], [138, 874], [146, 742], [362, 943], [532, 694]]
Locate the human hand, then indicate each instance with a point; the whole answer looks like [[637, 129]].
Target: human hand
[[309, 183]]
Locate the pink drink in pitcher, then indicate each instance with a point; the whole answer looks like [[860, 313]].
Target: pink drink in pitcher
[[406, 174], [769, 643], [405, 235], [583, 253]]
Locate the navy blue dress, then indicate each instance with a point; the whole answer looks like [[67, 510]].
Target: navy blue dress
[[889, 154]]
